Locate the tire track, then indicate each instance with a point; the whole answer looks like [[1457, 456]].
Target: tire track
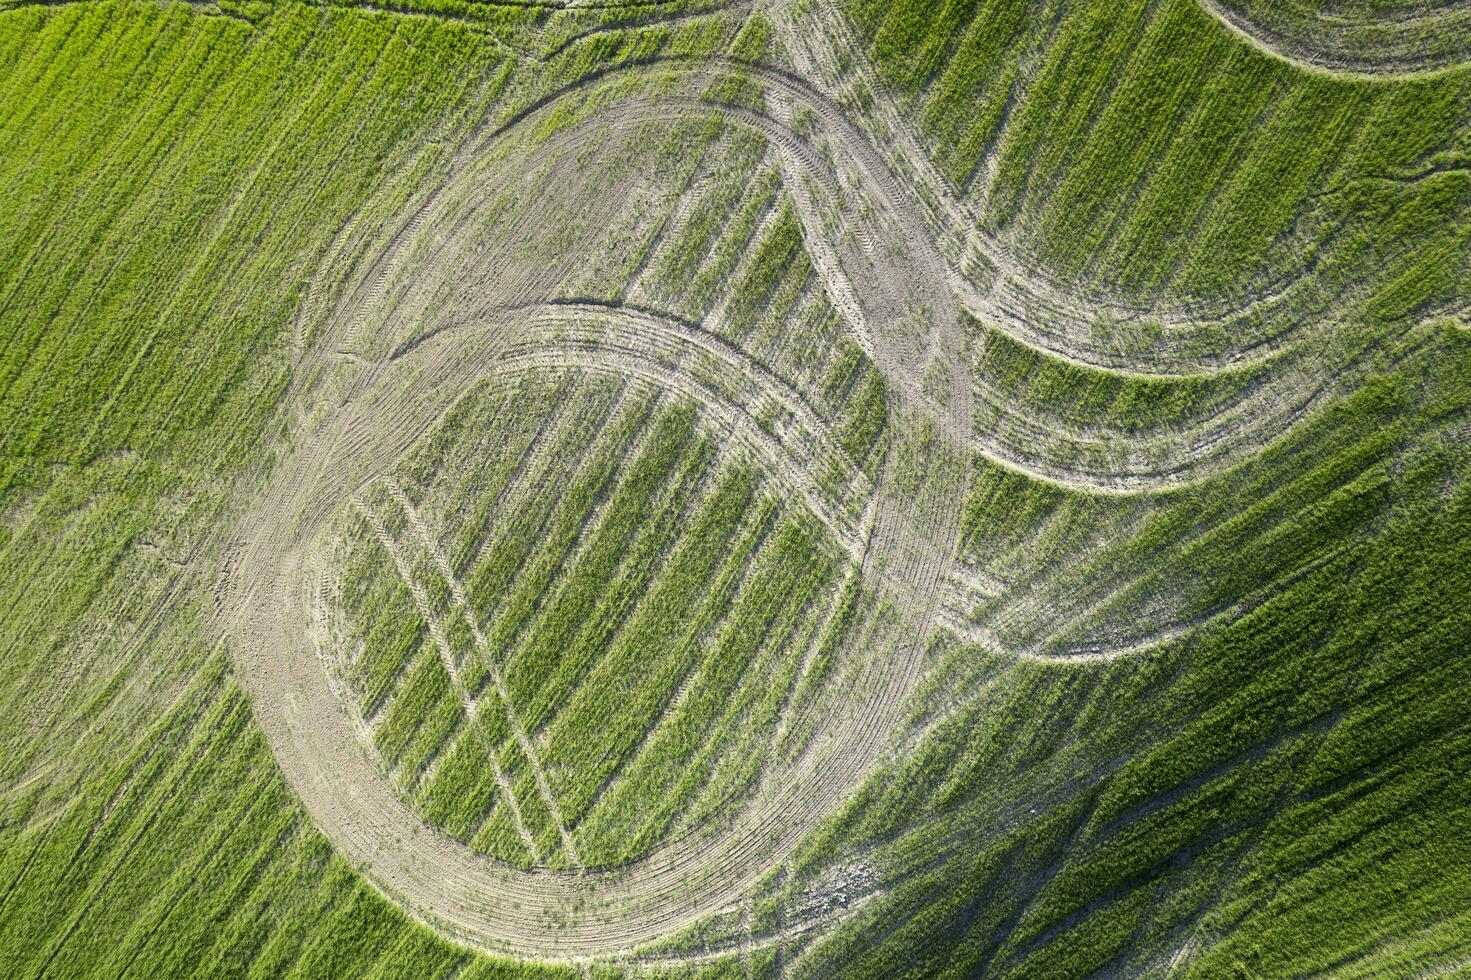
[[671, 355], [1283, 399], [385, 408], [513, 717], [1018, 298], [446, 657], [1206, 446], [908, 297], [1324, 43]]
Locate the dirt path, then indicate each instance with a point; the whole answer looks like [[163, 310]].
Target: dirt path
[[1097, 652]]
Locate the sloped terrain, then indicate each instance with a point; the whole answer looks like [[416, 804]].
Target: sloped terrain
[[822, 489]]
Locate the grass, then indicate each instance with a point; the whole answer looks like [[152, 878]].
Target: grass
[[657, 568], [1145, 149], [1272, 760], [1277, 791]]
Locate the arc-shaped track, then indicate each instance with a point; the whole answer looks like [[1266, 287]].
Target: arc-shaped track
[[757, 411], [1290, 387], [1018, 297], [1415, 39]]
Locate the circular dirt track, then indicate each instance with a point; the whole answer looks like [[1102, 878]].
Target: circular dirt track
[[459, 309]]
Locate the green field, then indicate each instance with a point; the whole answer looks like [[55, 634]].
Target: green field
[[829, 488]]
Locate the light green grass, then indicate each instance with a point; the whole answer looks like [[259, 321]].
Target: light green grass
[[1281, 791]]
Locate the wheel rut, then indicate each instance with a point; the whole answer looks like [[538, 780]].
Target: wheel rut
[[447, 659], [386, 406], [1291, 384]]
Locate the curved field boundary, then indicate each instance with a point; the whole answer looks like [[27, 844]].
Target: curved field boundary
[[1210, 445], [1016, 301], [315, 741], [1335, 44]]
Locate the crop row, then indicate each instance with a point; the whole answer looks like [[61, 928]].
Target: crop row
[[645, 574]]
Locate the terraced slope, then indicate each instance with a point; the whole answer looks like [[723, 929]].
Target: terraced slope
[[815, 489]]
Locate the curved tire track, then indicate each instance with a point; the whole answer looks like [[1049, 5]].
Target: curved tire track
[[737, 392], [1325, 43], [910, 300], [1049, 453]]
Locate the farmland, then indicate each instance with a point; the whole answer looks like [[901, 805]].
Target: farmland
[[828, 488]]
